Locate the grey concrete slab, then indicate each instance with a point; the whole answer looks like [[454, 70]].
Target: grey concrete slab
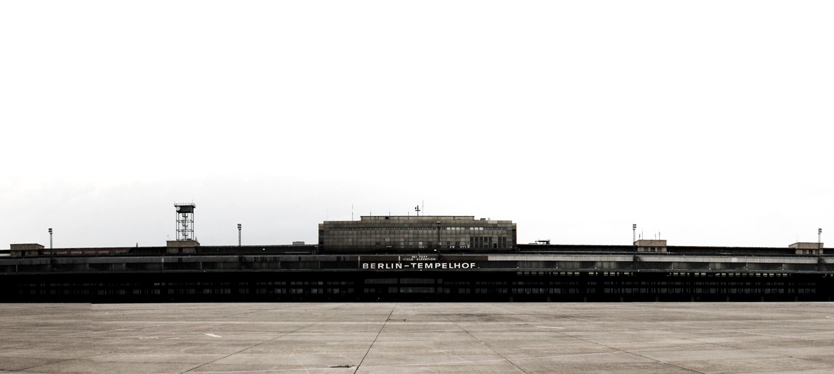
[[418, 337]]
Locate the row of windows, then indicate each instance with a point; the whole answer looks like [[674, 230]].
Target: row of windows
[[714, 291], [623, 282], [303, 283], [418, 228], [678, 274], [441, 290], [474, 242], [576, 290], [298, 291], [443, 234]]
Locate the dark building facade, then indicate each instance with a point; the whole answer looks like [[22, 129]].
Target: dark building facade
[[437, 277], [426, 258]]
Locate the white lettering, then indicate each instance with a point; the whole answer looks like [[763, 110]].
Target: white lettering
[[417, 265]]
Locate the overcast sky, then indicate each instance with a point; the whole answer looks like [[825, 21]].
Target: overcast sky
[[709, 122]]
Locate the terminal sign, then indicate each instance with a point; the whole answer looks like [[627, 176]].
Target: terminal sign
[[418, 265]]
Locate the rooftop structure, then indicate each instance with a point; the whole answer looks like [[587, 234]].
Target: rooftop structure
[[26, 249], [650, 245], [807, 248]]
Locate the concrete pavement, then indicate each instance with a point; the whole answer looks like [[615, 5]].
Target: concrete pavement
[[418, 338]]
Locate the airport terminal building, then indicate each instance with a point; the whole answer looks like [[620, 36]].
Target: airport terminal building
[[426, 258]]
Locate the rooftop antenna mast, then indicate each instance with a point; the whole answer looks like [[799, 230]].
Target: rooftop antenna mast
[[185, 221], [417, 209]]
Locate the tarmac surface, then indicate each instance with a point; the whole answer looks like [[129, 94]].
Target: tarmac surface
[[418, 338]]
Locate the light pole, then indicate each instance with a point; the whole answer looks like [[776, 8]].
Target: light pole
[[819, 238], [50, 249], [238, 234]]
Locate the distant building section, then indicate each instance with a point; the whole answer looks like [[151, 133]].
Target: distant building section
[[181, 246], [25, 250], [651, 245], [807, 248], [416, 233]]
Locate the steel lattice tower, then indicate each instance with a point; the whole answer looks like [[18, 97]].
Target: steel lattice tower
[[185, 221]]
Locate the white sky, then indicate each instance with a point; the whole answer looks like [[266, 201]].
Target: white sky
[[707, 121]]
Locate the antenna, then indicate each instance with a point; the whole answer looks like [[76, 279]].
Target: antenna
[[634, 233], [238, 234], [417, 209]]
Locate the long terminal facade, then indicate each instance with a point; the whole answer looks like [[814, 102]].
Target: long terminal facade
[[426, 258]]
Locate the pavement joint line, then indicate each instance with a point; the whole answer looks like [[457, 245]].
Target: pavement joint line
[[769, 335], [76, 334], [778, 336], [484, 343], [629, 352], [375, 338], [247, 313], [305, 369], [248, 348], [811, 360], [255, 311], [58, 362], [434, 364]]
